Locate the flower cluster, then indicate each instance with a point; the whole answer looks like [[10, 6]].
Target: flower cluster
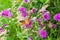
[[7, 13], [23, 11], [33, 23]]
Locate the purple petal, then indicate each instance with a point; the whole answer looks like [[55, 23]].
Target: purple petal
[[24, 14], [57, 17], [10, 15], [7, 13], [22, 9], [30, 38], [1, 30], [43, 33], [46, 16], [39, 20], [54, 25], [26, 1]]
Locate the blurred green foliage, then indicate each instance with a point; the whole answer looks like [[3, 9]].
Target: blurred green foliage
[[4, 4], [54, 7]]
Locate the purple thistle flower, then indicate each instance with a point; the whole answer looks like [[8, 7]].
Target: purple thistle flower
[[32, 11], [39, 20], [26, 1], [22, 9], [1, 30], [29, 25], [10, 15], [42, 33], [46, 16], [54, 25], [57, 17], [7, 13], [24, 14], [5, 25], [30, 22], [30, 38]]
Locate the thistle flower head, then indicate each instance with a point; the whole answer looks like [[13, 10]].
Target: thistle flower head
[[24, 14], [46, 16], [26, 1], [29, 25], [30, 38], [54, 25], [33, 10], [39, 20], [22, 9], [1, 30], [42, 33], [57, 17], [7, 13]]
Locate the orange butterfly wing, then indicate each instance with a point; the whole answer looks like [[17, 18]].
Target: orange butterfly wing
[[27, 21]]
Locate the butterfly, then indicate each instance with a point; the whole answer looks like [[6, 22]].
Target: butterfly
[[26, 21]]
